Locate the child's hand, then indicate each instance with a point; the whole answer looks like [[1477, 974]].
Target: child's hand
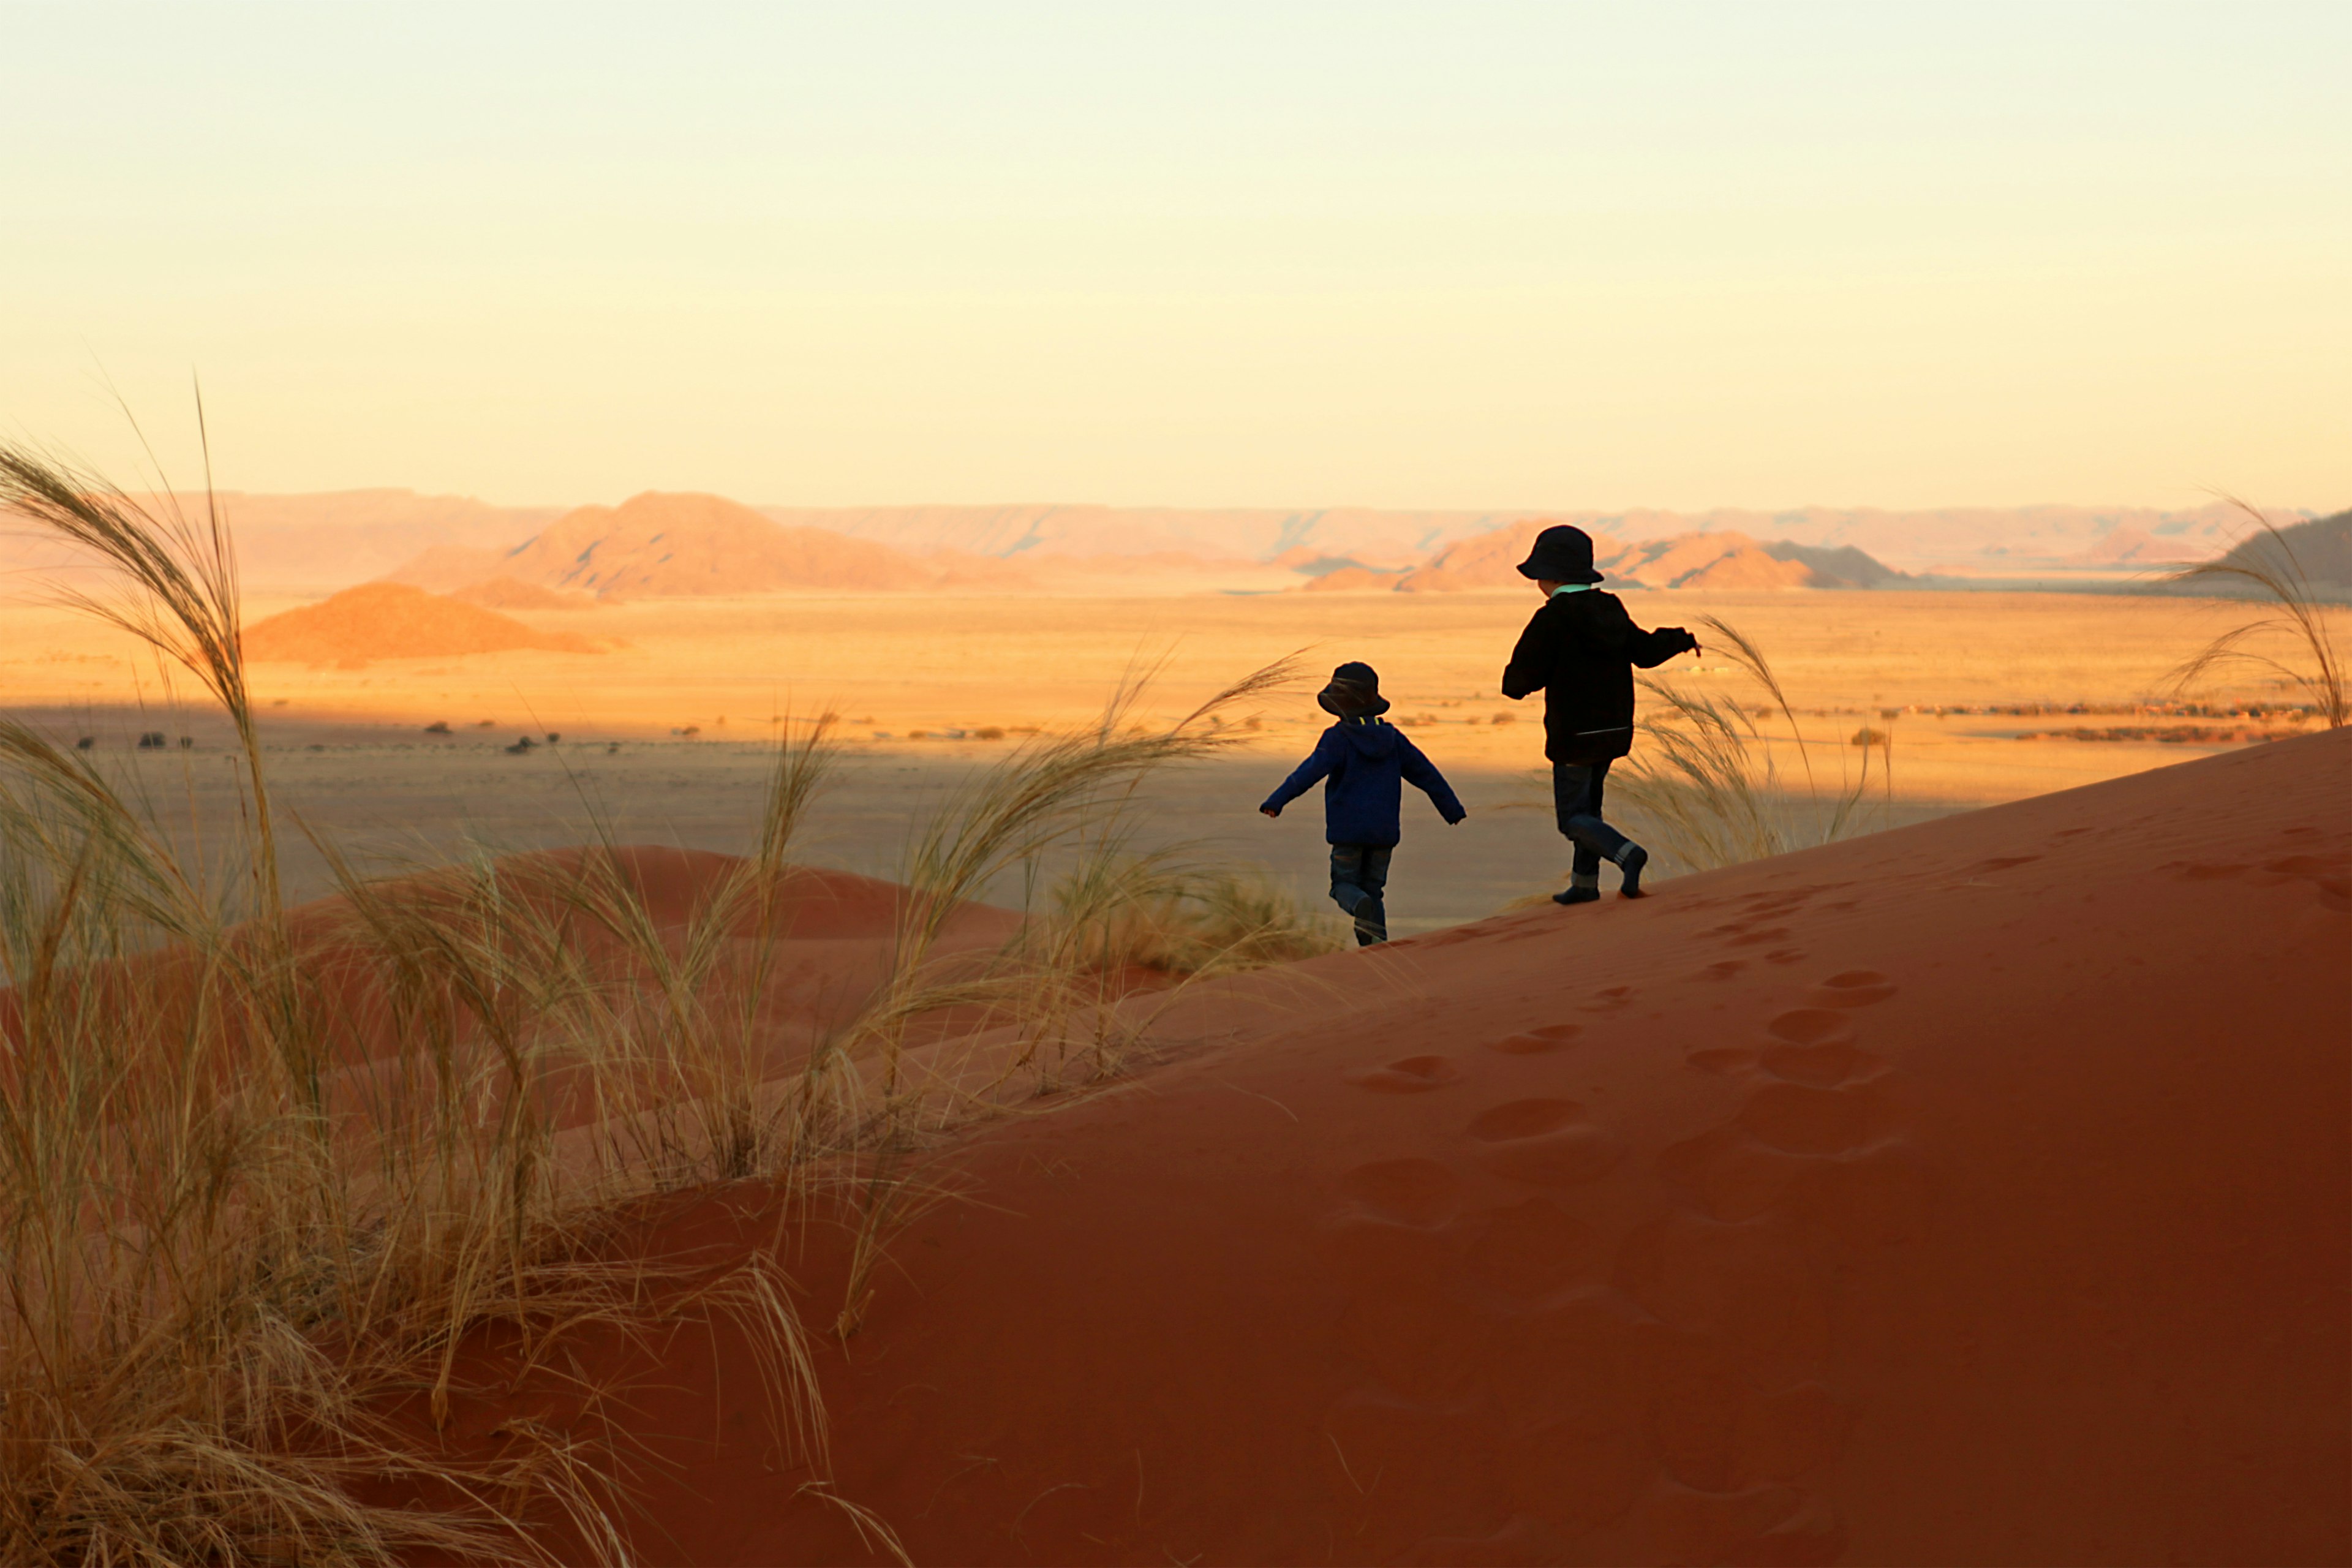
[[1271, 810]]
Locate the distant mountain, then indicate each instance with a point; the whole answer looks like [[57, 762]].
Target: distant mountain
[[313, 542], [507, 593], [658, 545], [446, 568], [1991, 539], [1842, 566], [1368, 536], [350, 536], [1487, 560], [2320, 551], [319, 542], [1726, 559]]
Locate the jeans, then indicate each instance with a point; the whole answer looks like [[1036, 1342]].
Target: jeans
[[1359, 873], [1576, 798]]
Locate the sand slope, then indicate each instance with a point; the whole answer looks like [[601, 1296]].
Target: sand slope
[[662, 544], [394, 620], [1974, 1193]]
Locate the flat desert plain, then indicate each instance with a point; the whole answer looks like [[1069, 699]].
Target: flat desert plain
[[665, 733]]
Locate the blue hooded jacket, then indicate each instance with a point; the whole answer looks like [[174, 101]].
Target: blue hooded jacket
[[1366, 761]]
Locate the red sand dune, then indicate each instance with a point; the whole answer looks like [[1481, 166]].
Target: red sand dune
[[1971, 1192], [830, 936], [505, 594], [392, 620], [657, 545], [831, 931]]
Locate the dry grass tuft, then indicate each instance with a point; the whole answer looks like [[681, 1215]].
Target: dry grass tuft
[[1189, 921], [258, 1184], [1707, 786], [2265, 561]]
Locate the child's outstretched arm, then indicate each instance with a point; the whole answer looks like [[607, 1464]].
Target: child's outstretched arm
[[1650, 650], [1318, 762], [1525, 674], [1423, 775]]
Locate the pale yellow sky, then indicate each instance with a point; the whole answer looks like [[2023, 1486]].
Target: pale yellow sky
[[1453, 255]]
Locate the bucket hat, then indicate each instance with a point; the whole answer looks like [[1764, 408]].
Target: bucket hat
[[1561, 555], [1354, 694]]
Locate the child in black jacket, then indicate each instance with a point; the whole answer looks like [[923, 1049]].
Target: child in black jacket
[[1368, 764], [1579, 652]]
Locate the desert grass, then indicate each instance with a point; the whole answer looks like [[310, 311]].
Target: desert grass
[[1706, 786], [2297, 617], [262, 1179], [1188, 921]]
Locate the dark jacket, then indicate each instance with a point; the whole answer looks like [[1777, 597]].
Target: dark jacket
[[1579, 652], [1366, 761]]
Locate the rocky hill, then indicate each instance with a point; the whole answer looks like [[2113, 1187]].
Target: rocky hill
[[2004, 540], [1722, 559], [662, 545], [2320, 551]]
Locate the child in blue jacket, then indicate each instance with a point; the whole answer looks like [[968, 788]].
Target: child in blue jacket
[[1366, 761]]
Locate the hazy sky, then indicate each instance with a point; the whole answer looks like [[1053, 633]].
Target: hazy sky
[[1451, 254]]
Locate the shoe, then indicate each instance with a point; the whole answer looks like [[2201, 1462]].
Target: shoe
[[1578, 896], [1635, 859]]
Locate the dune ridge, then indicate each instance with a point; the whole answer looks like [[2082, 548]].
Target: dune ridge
[[394, 620], [1971, 1192]]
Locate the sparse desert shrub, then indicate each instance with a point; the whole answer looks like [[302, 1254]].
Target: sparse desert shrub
[[259, 1182], [2266, 563], [1193, 922], [1705, 781]]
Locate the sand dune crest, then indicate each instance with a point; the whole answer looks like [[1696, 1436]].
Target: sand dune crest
[[1972, 1192]]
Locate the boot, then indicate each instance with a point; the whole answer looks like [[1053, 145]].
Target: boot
[[1583, 887], [1630, 860]]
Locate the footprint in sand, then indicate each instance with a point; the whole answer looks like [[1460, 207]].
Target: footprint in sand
[[1853, 988], [1799, 1119], [1722, 1060], [1405, 1191], [1533, 1248], [1544, 1142], [1811, 1027], [1814, 1047], [2326, 875], [1824, 1066], [1524, 1118], [1410, 1075], [1550, 1038], [1609, 999], [1761, 1524]]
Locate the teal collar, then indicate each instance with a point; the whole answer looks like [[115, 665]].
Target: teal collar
[[1573, 588]]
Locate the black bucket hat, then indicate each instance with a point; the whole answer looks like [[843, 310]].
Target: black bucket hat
[[1561, 555], [1354, 694]]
